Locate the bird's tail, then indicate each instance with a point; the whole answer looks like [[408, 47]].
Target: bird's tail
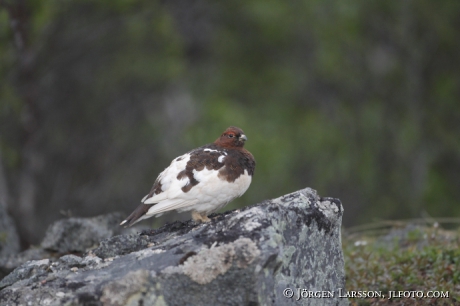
[[137, 215]]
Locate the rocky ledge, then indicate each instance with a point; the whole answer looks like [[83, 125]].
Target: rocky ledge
[[252, 256]]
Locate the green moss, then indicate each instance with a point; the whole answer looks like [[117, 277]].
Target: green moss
[[408, 259]]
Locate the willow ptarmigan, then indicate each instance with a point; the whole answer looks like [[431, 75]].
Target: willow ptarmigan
[[202, 180]]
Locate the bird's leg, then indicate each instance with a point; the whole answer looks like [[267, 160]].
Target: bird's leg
[[204, 217], [201, 217], [196, 216]]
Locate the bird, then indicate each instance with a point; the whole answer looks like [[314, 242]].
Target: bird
[[202, 180]]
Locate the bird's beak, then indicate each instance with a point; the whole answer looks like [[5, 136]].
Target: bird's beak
[[243, 137]]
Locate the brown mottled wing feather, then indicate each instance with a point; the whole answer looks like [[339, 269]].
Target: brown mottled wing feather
[[156, 189], [200, 159]]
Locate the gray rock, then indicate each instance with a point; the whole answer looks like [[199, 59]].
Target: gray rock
[[244, 257], [70, 261], [28, 271], [9, 263], [9, 240], [80, 234], [73, 235], [121, 245]]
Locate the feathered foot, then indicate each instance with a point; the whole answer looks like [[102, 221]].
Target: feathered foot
[[200, 217]]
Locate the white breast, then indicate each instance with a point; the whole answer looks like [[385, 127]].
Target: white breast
[[214, 193]]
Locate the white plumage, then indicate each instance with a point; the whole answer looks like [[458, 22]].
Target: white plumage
[[213, 193]]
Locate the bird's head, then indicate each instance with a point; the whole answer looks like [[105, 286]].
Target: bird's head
[[232, 137]]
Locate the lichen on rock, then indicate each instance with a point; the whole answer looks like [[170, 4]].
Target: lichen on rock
[[241, 257]]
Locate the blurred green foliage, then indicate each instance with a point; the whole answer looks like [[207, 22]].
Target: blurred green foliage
[[407, 258], [357, 99]]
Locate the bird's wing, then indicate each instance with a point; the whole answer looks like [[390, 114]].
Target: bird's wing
[[166, 186], [207, 188], [179, 178], [169, 204], [169, 183]]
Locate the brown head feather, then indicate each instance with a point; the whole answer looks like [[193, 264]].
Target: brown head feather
[[232, 137]]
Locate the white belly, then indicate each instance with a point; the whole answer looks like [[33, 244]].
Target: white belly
[[213, 193]]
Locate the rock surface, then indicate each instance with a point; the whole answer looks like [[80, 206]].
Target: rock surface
[[243, 257], [70, 235], [80, 234]]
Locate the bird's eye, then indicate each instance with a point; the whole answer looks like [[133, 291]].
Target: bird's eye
[[230, 135]]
